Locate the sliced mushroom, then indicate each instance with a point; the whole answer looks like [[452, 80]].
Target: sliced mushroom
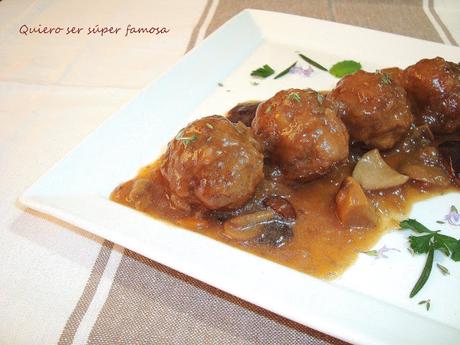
[[373, 173], [426, 167], [415, 138], [243, 112], [352, 206], [276, 234], [281, 206], [425, 173], [248, 226], [271, 226]]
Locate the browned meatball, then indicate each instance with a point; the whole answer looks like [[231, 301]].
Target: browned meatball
[[213, 163], [375, 109], [301, 134], [395, 74], [434, 86]]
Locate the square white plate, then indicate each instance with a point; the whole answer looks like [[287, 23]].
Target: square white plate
[[369, 303]]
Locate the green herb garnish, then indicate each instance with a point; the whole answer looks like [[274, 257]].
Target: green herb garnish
[[188, 140], [371, 252], [428, 243], [286, 71], [427, 303], [443, 269], [385, 78], [313, 63], [343, 68], [263, 72], [425, 273], [456, 252], [320, 98], [339, 70], [179, 134], [209, 125], [413, 225], [295, 96]]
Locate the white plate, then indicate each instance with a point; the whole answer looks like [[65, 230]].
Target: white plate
[[370, 303]]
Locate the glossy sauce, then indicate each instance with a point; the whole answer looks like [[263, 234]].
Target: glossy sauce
[[299, 130], [321, 245]]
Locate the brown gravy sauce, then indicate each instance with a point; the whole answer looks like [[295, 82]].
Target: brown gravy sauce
[[320, 246]]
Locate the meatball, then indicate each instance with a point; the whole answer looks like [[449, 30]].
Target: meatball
[[434, 86], [395, 74], [301, 133], [374, 108], [213, 163]]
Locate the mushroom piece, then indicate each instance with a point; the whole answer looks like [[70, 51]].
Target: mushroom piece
[[281, 206], [373, 173], [276, 234], [426, 167], [425, 173], [352, 206], [248, 226], [415, 138], [243, 112], [271, 226]]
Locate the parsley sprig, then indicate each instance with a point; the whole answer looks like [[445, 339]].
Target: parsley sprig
[[266, 71], [345, 67], [339, 70], [263, 72], [428, 243]]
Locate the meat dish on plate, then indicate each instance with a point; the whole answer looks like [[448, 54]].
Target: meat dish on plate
[[308, 178]]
